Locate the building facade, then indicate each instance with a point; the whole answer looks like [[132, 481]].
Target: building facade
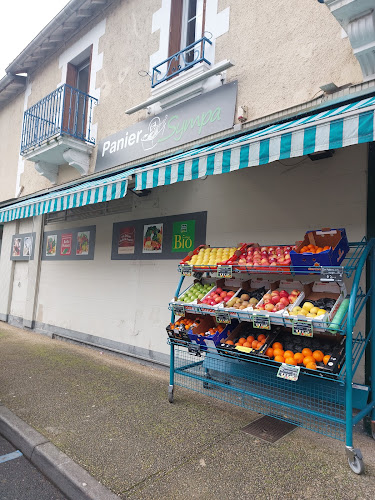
[[125, 88]]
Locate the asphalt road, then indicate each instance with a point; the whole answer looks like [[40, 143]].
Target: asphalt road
[[20, 480]]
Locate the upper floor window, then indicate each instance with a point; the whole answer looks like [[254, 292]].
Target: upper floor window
[[186, 25]]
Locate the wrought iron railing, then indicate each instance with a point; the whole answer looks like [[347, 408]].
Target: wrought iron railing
[[65, 111], [181, 61]]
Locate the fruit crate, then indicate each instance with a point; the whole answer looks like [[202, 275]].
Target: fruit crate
[[237, 250], [275, 259], [322, 398]]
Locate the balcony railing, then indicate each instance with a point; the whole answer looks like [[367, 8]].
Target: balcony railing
[[181, 61], [65, 111]]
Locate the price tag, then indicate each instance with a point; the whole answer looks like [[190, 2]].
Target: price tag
[[261, 321], [186, 270], [222, 317], [194, 349], [288, 372], [329, 274], [302, 328], [224, 271], [178, 309]]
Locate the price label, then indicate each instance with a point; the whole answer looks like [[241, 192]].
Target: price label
[[178, 309], [194, 349], [224, 271], [329, 274], [261, 321], [289, 372], [223, 317], [186, 270], [302, 328]]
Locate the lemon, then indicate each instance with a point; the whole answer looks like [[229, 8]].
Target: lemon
[[321, 312], [314, 310], [303, 312], [296, 309], [309, 315], [307, 306]]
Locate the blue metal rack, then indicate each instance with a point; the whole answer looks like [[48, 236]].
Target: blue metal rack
[[329, 404]]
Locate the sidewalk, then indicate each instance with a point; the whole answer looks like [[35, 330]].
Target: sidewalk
[[112, 416]]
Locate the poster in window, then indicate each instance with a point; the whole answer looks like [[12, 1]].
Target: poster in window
[[66, 244], [152, 238], [83, 243], [16, 250], [51, 245], [126, 241], [27, 246]]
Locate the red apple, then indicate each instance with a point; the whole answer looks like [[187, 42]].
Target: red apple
[[231, 293], [283, 293], [218, 290], [218, 300], [275, 299], [284, 301], [295, 292], [274, 292], [280, 306], [292, 298], [261, 307], [263, 249]]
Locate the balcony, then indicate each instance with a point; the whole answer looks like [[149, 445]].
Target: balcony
[[57, 130], [181, 61]]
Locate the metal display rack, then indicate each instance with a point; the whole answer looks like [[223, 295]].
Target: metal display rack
[[328, 404]]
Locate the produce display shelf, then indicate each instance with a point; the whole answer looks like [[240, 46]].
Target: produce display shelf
[[320, 399], [349, 265]]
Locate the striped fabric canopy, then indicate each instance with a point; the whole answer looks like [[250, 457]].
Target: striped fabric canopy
[[96, 191], [344, 126]]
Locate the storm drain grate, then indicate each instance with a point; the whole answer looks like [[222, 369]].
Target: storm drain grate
[[268, 428]]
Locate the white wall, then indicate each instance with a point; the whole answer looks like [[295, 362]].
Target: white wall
[[126, 301]]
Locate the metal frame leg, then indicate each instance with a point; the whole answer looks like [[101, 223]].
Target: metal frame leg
[[171, 375], [372, 343]]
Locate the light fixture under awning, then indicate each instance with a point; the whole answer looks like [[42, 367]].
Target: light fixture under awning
[[336, 128], [87, 193]]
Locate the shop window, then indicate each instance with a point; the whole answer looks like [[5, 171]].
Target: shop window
[[186, 26]]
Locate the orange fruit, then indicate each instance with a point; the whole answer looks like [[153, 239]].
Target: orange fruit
[[307, 352], [259, 345], [288, 354], [229, 342], [326, 358], [290, 361], [263, 341], [311, 366], [299, 357], [277, 345], [250, 339], [308, 359], [269, 352], [241, 341], [261, 337], [280, 359], [278, 352], [246, 344], [318, 356], [254, 344]]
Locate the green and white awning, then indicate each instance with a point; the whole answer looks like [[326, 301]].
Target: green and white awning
[[87, 193], [336, 128]]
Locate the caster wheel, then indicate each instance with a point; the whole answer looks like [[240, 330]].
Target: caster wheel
[[170, 393], [357, 465]]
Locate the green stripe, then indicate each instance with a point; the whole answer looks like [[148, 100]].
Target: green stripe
[[144, 180], [244, 156], [210, 164], [285, 146], [309, 140], [335, 134], [195, 168], [264, 151], [167, 176], [366, 127], [155, 177], [180, 171], [226, 161]]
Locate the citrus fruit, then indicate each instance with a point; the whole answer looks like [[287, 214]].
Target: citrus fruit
[[269, 352], [278, 352], [229, 342], [241, 341], [250, 339], [307, 352], [290, 361], [288, 354], [318, 356], [308, 359], [326, 358], [246, 344], [299, 357], [280, 359], [261, 337], [311, 366], [254, 344], [277, 345]]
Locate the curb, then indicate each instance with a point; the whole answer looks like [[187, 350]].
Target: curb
[[72, 480]]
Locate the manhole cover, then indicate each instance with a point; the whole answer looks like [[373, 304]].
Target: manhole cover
[[268, 428]]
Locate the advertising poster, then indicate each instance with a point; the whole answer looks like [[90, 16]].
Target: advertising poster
[[152, 238], [126, 241], [83, 243], [16, 250], [66, 244], [183, 236], [51, 245], [27, 246]]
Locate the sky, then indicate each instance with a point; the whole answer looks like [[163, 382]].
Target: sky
[[20, 22]]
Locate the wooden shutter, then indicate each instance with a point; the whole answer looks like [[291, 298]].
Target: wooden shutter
[[175, 27], [69, 99]]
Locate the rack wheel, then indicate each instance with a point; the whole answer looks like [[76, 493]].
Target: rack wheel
[[170, 393], [355, 460]]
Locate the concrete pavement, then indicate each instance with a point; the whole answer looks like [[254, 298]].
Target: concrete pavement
[[112, 417]]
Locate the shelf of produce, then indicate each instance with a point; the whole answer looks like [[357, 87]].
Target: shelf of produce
[[349, 265]]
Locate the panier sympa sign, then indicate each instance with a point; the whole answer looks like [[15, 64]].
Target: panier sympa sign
[[207, 114], [158, 238]]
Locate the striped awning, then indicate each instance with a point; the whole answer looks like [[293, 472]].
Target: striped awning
[[336, 128], [87, 193]]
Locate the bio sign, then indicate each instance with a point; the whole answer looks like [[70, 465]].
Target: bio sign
[[207, 114], [183, 236]]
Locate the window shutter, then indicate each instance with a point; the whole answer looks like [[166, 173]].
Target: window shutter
[[175, 27]]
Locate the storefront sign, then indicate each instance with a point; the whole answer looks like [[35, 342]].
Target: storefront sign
[[183, 236], [159, 237], [289, 372], [69, 244], [23, 246], [207, 114]]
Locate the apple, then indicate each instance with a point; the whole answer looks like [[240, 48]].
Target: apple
[[274, 309], [263, 249], [292, 298], [268, 307], [271, 249], [218, 290], [275, 299], [223, 294], [280, 306], [273, 264], [283, 293], [280, 260], [212, 303], [287, 262], [295, 292], [231, 293], [274, 292], [267, 296], [265, 261], [261, 307], [284, 301]]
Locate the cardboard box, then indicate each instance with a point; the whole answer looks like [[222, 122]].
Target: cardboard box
[[306, 263], [196, 335]]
